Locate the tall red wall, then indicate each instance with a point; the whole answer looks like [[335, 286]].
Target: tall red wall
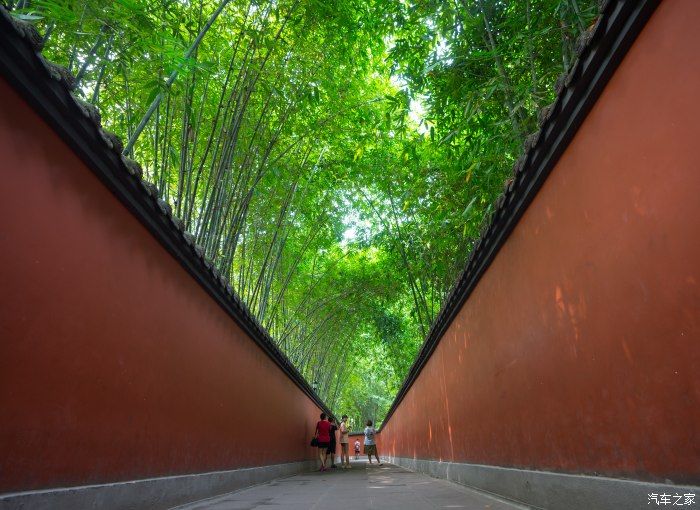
[[114, 363], [579, 349]]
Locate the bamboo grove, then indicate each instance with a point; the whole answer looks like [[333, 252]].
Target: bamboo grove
[[336, 159]]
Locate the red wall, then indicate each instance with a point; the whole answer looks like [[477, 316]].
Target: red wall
[[114, 363], [579, 349]]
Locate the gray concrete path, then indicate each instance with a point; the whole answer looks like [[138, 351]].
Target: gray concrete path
[[386, 487]]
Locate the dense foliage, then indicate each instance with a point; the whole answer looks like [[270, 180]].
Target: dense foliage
[[336, 159]]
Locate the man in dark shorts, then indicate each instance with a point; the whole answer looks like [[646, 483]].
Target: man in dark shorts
[[333, 442], [370, 444]]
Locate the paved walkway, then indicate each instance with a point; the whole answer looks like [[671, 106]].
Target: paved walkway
[[386, 487]]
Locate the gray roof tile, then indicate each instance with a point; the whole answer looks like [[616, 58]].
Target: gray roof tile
[[137, 193]]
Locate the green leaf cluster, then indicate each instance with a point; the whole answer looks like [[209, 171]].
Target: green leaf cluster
[[336, 159]]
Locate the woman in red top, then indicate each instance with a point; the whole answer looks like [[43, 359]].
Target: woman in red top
[[323, 436]]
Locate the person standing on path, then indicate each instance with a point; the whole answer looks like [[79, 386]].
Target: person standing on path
[[370, 445], [333, 442], [323, 437], [344, 454], [357, 449]]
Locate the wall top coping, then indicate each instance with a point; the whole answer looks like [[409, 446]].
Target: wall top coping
[[599, 50], [48, 88]]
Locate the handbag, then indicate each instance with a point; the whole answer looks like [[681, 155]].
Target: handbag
[[314, 441]]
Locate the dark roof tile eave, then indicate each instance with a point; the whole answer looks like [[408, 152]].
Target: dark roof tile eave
[[605, 43], [47, 88]]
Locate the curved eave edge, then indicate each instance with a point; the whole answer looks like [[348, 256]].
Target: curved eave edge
[[46, 88], [600, 50]]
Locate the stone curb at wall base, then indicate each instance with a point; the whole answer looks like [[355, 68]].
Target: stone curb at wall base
[[548, 490], [151, 493]]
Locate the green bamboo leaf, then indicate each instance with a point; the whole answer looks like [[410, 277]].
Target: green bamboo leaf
[[467, 210]]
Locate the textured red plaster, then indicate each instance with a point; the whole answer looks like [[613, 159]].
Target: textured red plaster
[[579, 350], [114, 363]]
